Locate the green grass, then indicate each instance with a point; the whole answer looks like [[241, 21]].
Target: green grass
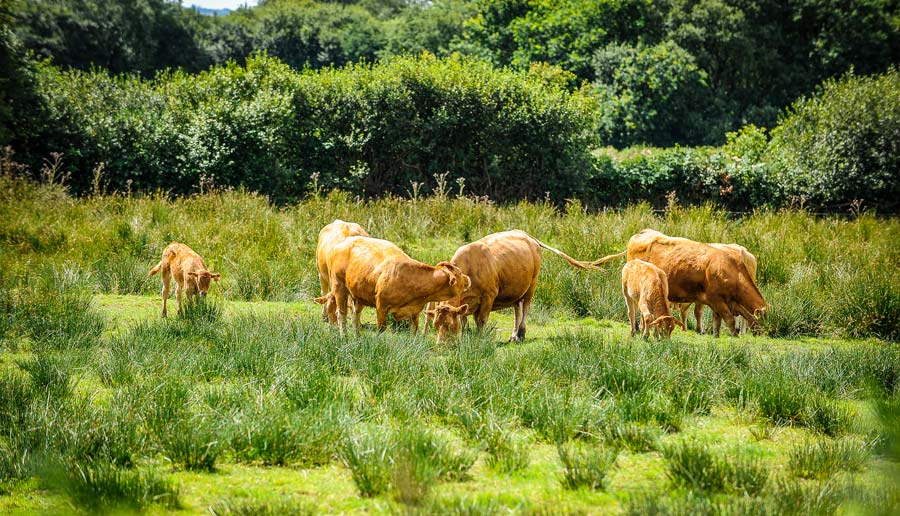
[[257, 407]]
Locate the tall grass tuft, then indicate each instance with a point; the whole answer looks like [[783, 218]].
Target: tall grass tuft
[[507, 452], [193, 444], [421, 458], [368, 457], [695, 466], [631, 436], [98, 486], [823, 458], [48, 376], [585, 465]]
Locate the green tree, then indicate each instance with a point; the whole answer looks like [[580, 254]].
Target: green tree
[[652, 95]]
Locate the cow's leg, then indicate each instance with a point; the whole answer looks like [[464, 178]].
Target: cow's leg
[[632, 323], [414, 324], [340, 301], [325, 287], [357, 313], [698, 316], [717, 323], [381, 313], [682, 311], [721, 308], [178, 290], [463, 323], [517, 308], [165, 292], [484, 311], [526, 307]]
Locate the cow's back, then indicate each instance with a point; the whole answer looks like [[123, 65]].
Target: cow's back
[[504, 263], [359, 261], [334, 233]]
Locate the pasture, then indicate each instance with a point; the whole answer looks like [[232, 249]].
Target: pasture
[[250, 404]]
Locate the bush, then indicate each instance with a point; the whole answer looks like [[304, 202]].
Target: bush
[[371, 129], [97, 486], [843, 144]]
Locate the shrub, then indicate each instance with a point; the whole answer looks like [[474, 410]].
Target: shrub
[[193, 444], [269, 128], [841, 144], [585, 465]]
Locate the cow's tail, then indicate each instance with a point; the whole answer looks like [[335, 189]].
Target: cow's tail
[[154, 270], [605, 259], [572, 261]]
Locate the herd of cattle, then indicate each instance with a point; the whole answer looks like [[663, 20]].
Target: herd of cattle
[[500, 271]]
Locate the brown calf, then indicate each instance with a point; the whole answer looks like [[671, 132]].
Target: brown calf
[[191, 275], [646, 291]]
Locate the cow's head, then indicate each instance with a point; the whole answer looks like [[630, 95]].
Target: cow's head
[[199, 282], [446, 320], [664, 325], [330, 306], [458, 281]]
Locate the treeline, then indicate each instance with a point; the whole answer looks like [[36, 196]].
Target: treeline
[[663, 71], [414, 124]]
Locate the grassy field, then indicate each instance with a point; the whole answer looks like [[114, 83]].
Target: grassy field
[[251, 405]]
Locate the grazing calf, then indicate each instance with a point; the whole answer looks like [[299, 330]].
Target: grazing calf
[[699, 272], [646, 290], [504, 268], [191, 275], [331, 235], [446, 319], [377, 273]]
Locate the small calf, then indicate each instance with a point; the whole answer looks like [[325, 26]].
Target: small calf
[[446, 320], [191, 275], [646, 290]]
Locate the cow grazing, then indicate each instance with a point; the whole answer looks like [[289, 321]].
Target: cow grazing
[[504, 269], [749, 262], [191, 275], [446, 319], [699, 272], [379, 274], [646, 291], [329, 236]]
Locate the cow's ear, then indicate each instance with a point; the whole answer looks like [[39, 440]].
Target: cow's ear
[[462, 309], [216, 277], [680, 324], [322, 300]]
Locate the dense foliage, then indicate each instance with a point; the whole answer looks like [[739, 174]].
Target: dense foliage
[[744, 60], [368, 129], [843, 144]]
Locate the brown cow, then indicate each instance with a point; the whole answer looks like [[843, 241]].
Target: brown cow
[[646, 291], [446, 319], [749, 262], [191, 275], [699, 272], [504, 269], [329, 236], [377, 273]]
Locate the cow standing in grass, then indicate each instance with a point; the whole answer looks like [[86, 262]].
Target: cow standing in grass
[[749, 262], [504, 268], [699, 272], [646, 291], [329, 236], [187, 268], [377, 273]]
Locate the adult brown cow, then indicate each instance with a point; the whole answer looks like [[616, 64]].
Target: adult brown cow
[[749, 262], [377, 273], [699, 272], [329, 236], [504, 269]]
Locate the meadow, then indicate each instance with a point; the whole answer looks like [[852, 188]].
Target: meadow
[[250, 404]]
